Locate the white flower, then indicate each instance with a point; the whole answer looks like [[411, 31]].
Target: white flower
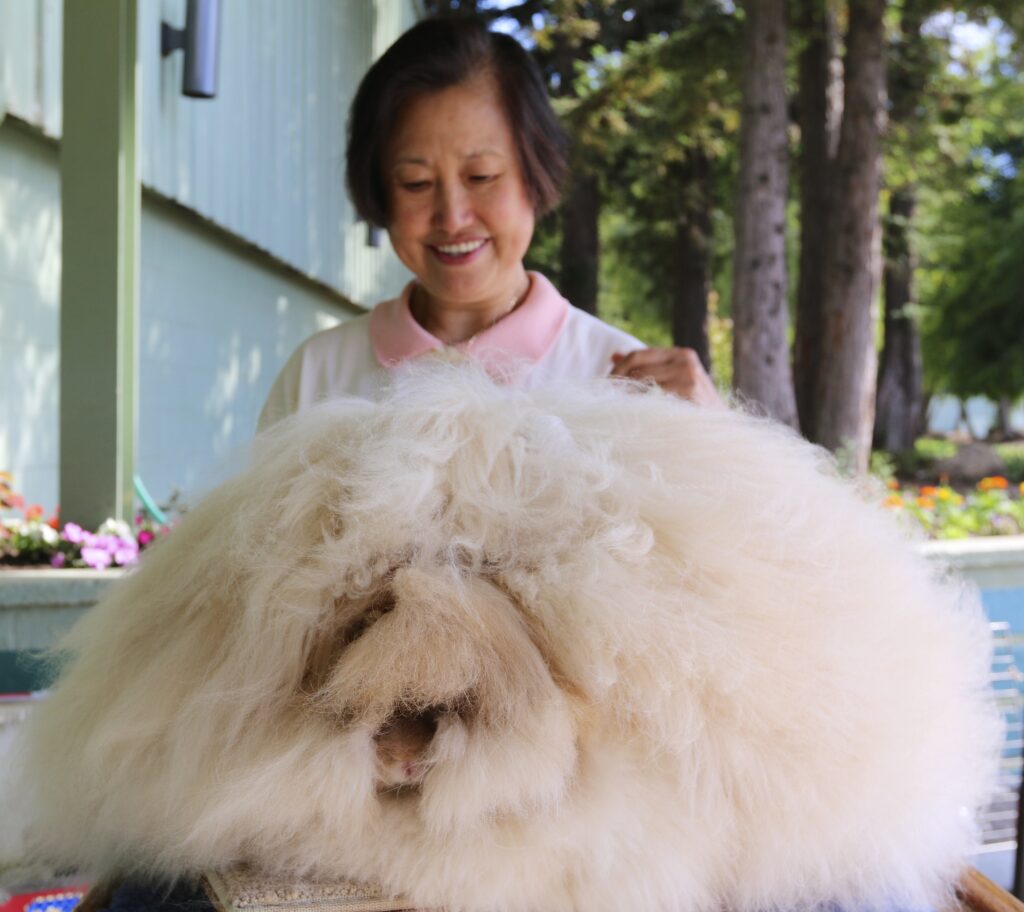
[[38, 531], [116, 527]]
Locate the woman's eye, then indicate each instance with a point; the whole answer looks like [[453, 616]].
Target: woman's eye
[[482, 178], [414, 186]]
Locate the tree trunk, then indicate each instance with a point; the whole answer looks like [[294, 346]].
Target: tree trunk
[[1005, 418], [580, 246], [898, 403], [847, 370], [819, 105], [761, 368], [692, 266]]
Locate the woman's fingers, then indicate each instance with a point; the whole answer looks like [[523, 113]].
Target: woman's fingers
[[675, 370]]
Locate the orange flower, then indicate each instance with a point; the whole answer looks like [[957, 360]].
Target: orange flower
[[929, 490], [892, 484], [34, 512], [926, 502], [893, 500], [993, 483], [1021, 486]]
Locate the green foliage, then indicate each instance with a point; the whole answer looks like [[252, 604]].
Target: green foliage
[[973, 282], [647, 86], [544, 254], [1012, 455], [929, 449], [643, 116], [971, 221], [882, 465]]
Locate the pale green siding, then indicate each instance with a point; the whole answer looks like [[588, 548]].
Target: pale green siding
[[220, 307], [216, 322], [265, 159]]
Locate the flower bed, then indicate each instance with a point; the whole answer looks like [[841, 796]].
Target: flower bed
[[993, 507], [33, 540]]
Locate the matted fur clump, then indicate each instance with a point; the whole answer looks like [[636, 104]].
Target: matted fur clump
[[580, 649]]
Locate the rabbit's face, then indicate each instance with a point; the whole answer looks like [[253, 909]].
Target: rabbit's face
[[450, 681]]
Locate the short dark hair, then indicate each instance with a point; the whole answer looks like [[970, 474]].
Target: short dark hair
[[435, 54]]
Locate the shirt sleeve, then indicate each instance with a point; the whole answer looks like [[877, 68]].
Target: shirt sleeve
[[283, 399]]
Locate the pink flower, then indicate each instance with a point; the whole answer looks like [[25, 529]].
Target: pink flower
[[97, 558], [74, 533], [58, 560], [145, 537], [125, 552]]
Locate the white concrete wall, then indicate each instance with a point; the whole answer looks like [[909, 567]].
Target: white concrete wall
[[217, 321]]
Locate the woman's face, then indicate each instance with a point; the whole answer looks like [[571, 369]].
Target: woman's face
[[461, 218]]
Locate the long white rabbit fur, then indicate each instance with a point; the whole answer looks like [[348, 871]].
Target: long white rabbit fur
[[676, 664]]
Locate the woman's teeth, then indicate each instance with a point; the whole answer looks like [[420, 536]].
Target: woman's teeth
[[458, 249]]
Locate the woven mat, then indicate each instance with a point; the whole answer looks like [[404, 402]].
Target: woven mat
[[242, 889]]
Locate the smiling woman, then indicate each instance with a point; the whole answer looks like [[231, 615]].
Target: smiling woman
[[460, 214], [453, 148]]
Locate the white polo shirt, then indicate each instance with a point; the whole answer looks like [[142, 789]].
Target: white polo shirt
[[544, 339]]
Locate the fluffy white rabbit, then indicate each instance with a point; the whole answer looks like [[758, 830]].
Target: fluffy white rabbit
[[588, 648]]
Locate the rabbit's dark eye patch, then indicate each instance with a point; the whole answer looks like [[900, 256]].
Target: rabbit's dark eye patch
[[380, 606]]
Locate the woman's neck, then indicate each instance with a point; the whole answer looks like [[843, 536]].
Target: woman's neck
[[456, 323]]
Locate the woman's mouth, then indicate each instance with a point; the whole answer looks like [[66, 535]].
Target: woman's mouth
[[457, 254]]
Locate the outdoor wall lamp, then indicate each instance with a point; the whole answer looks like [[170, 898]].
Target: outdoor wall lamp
[[200, 40]]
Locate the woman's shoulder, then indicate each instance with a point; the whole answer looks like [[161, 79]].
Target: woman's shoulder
[[584, 349], [335, 361], [593, 330], [589, 334], [326, 343]]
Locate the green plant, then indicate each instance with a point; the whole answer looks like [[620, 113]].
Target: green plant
[[1012, 455], [882, 465], [930, 449]]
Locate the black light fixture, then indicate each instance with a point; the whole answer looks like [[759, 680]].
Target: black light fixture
[[200, 40]]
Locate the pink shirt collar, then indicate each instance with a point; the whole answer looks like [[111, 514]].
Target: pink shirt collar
[[524, 336]]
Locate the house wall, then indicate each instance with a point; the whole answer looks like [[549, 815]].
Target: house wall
[[248, 241], [265, 158], [216, 321], [29, 312]]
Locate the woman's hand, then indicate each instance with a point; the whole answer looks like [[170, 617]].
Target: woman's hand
[[675, 370]]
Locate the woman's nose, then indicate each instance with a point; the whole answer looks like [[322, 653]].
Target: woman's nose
[[452, 210]]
